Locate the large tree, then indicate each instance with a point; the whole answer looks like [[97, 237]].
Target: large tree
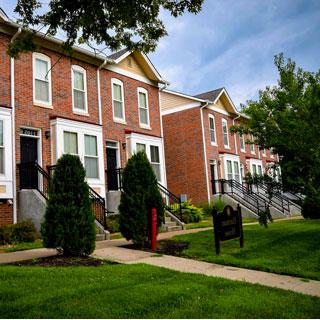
[[134, 24], [287, 118]]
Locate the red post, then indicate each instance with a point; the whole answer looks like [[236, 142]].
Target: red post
[[153, 229]]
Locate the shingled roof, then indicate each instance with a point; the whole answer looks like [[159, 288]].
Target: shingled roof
[[210, 95], [118, 54]]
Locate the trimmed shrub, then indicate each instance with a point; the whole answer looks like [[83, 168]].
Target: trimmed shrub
[[190, 213], [113, 223], [140, 195], [311, 207], [23, 231], [69, 220]]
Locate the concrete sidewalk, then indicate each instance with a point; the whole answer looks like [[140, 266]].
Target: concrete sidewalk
[[129, 256]]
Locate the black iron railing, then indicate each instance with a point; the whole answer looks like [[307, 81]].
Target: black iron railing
[[239, 193], [172, 202], [114, 179], [32, 176]]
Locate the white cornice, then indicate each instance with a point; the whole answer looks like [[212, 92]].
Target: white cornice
[[181, 108]]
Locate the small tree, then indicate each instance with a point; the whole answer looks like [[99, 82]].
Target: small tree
[[140, 195], [69, 220]]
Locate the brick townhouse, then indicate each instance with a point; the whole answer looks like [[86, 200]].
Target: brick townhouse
[[102, 109], [199, 147]]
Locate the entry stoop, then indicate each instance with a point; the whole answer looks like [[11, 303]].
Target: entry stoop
[[171, 223]]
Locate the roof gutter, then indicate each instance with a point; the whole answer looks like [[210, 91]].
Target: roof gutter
[[13, 134]]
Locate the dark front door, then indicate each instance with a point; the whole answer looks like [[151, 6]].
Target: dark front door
[[28, 156], [213, 178], [112, 172]]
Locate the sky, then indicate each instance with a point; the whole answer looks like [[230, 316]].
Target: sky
[[232, 44]]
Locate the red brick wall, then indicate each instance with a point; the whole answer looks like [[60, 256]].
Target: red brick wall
[[4, 72], [184, 154], [6, 214], [116, 131]]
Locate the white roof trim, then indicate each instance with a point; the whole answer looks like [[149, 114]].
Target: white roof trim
[[3, 15], [228, 97], [181, 108], [183, 95]]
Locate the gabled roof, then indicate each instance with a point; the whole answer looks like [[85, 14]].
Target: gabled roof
[[209, 95], [3, 15], [118, 54]]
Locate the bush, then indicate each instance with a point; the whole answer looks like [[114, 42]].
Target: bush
[[190, 213], [69, 220], [113, 224], [311, 207], [20, 232], [140, 195]]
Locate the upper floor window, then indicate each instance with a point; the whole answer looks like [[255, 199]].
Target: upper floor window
[[242, 144], [252, 149], [1, 148], [79, 89], [70, 142], [212, 130], [271, 152], [225, 133], [117, 100], [41, 79], [264, 152], [143, 107]]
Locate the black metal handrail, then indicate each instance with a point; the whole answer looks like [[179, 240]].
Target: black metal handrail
[[32, 176], [171, 201], [114, 179], [277, 200], [240, 193]]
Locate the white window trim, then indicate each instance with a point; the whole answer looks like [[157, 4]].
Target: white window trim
[[264, 152], [41, 56], [83, 71], [252, 144], [227, 146], [115, 119], [244, 143], [91, 156], [75, 132], [144, 91], [211, 116]]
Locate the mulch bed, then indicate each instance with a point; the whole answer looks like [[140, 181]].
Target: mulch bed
[[168, 247], [61, 261]]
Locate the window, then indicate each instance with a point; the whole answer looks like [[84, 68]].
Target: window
[[140, 147], [225, 133], [155, 161], [252, 149], [259, 170], [241, 170], [143, 107], [91, 156], [254, 169], [41, 79], [79, 89], [117, 100], [70, 142], [229, 170], [236, 171], [242, 145], [271, 152], [212, 130], [264, 152], [1, 148]]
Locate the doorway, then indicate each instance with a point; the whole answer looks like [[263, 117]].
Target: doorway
[[113, 171], [214, 176]]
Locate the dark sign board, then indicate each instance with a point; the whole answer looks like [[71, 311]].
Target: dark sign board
[[227, 226]]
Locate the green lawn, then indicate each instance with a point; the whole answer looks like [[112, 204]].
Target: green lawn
[[207, 222], [287, 247], [21, 246], [140, 291]]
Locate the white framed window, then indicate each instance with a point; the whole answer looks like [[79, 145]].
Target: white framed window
[[254, 169], [155, 161], [70, 140], [242, 144], [79, 89], [143, 107], [252, 148], [118, 101], [229, 170], [271, 152], [236, 171], [91, 156], [41, 80], [225, 133], [264, 152], [259, 170], [140, 147], [241, 170], [212, 130], [2, 152]]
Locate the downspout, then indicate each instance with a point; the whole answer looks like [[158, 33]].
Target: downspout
[[13, 133], [161, 132], [98, 85], [235, 140], [205, 149]]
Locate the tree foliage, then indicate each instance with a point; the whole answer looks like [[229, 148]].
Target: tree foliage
[[134, 24], [287, 117], [69, 220], [140, 195]]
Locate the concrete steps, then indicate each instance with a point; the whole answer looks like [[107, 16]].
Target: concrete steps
[[171, 224]]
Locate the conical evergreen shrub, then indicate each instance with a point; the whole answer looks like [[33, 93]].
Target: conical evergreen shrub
[[69, 220], [140, 195]]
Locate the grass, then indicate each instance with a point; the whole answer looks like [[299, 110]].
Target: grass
[[207, 222], [140, 291], [21, 246], [285, 247]]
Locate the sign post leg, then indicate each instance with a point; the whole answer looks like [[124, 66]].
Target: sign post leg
[[216, 231], [240, 221]]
